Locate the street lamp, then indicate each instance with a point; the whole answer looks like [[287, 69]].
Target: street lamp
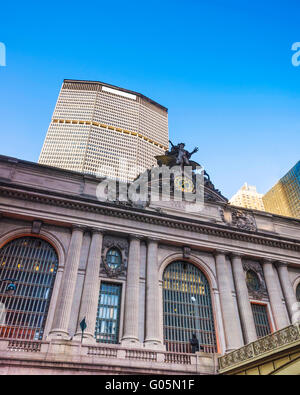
[[196, 322], [193, 299]]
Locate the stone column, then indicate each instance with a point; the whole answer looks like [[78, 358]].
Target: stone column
[[131, 313], [277, 307], [287, 288], [152, 338], [90, 294], [245, 310], [67, 288], [229, 315]]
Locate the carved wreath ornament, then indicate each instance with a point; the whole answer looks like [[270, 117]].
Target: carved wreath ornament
[[122, 247], [260, 291]]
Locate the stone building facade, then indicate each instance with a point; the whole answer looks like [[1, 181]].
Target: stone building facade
[[238, 269]]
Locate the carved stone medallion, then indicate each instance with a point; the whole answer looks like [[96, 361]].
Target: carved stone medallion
[[257, 290], [110, 242]]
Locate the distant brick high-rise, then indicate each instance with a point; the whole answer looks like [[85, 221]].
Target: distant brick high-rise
[[96, 125], [284, 197], [248, 197]]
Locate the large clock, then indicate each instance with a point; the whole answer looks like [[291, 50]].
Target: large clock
[[184, 184]]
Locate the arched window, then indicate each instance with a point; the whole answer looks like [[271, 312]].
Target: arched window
[[30, 264], [298, 292], [114, 258], [187, 309]]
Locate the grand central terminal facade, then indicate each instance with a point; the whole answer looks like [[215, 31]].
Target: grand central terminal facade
[[95, 287]]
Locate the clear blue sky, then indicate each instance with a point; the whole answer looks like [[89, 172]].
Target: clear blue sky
[[223, 69]]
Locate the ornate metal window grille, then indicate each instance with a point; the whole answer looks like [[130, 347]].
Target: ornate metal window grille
[[108, 314], [187, 309], [31, 264], [298, 292], [261, 319], [114, 258]]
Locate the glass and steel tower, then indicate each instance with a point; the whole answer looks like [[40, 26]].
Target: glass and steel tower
[[284, 197], [105, 130]]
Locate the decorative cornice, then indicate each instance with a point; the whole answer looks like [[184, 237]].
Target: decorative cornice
[[89, 205]]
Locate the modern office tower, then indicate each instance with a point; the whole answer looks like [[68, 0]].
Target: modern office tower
[[248, 197], [105, 130], [284, 197]]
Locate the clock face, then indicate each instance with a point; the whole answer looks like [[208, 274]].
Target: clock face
[[183, 184]]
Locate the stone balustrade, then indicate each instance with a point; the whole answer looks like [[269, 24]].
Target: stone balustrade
[[25, 346], [107, 356]]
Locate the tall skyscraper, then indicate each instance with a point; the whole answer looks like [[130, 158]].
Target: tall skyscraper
[[105, 130], [248, 197], [284, 197]]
